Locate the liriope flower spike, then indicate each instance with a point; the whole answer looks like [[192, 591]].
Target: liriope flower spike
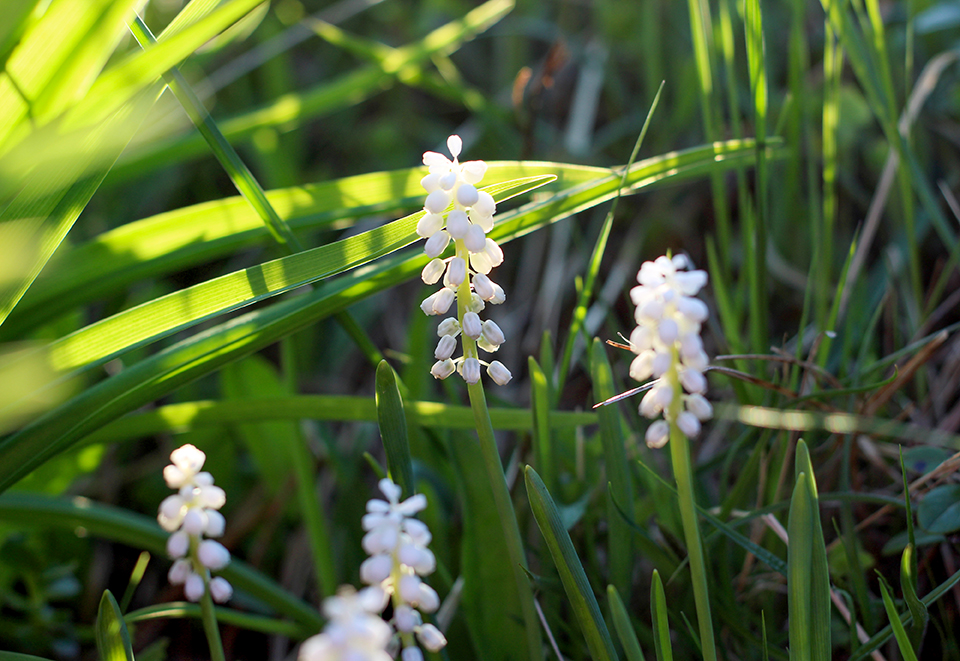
[[668, 346], [465, 275], [354, 630], [191, 515], [399, 557]]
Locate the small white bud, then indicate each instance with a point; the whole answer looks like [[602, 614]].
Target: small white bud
[[375, 569], [405, 619], [179, 571], [430, 183], [693, 309], [472, 327], [493, 251], [436, 202], [428, 598], [430, 224], [485, 205], [661, 363], [484, 222], [441, 301], [455, 145], [411, 653], [467, 195], [213, 555], [433, 271], [457, 271], [443, 368], [211, 496], [699, 406], [668, 331], [498, 295], [472, 171], [475, 240], [693, 381], [641, 368], [688, 424], [492, 333], [458, 223], [483, 286], [220, 589], [409, 588], [193, 587], [445, 347], [641, 339], [499, 373], [194, 521], [431, 638], [449, 326], [476, 303], [470, 370], [658, 434], [436, 244], [178, 544], [480, 261], [448, 180], [215, 524]]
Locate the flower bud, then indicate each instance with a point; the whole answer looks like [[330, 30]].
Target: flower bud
[[436, 244], [693, 381], [498, 295], [215, 524], [467, 195], [699, 406], [492, 333], [430, 183], [483, 286], [178, 544], [193, 587], [443, 368], [449, 326], [456, 271], [499, 373], [475, 240], [433, 271], [448, 180], [179, 571], [458, 223], [220, 589], [445, 347], [444, 299], [436, 201], [658, 434], [485, 205], [430, 224], [470, 370], [431, 638], [688, 424], [472, 172], [472, 327], [411, 653], [213, 555]]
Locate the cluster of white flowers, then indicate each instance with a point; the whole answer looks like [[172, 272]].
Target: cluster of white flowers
[[190, 515], [476, 255], [668, 346], [397, 545]]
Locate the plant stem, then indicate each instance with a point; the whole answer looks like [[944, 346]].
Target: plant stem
[[683, 473], [494, 470], [209, 617]]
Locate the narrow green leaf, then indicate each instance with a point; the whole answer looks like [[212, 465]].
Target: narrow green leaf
[[903, 640], [393, 429], [799, 557], [113, 639], [661, 624], [819, 576], [619, 546], [575, 583], [18, 12], [540, 407], [623, 627], [179, 610]]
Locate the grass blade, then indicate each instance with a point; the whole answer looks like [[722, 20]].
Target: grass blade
[[903, 640], [575, 583], [623, 627], [393, 429], [113, 639], [661, 624]]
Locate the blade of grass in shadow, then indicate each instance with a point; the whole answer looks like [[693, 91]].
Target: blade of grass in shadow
[[903, 640], [909, 569], [179, 610], [111, 523], [623, 627], [575, 583], [620, 489], [393, 429], [540, 407], [661, 623]]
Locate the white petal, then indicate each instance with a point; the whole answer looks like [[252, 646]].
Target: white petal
[[178, 544], [499, 373], [472, 327], [436, 201], [213, 555], [693, 381], [455, 145], [472, 171], [658, 434], [431, 638], [467, 195], [445, 348], [375, 569], [483, 286], [436, 244], [443, 368], [220, 589], [485, 205], [688, 424], [430, 224], [699, 406], [430, 183], [443, 301], [433, 271], [480, 262], [492, 333], [470, 370], [458, 223], [492, 250], [475, 240], [456, 271], [449, 326], [193, 587]]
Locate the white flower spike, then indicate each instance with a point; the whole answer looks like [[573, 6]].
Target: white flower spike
[[668, 346], [189, 515], [450, 182]]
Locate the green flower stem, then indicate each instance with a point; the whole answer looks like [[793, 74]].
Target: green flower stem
[[683, 473], [207, 613], [494, 470]]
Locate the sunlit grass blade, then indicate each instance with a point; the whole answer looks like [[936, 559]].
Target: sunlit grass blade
[[619, 546], [113, 639], [393, 429], [114, 524], [192, 305], [349, 89], [623, 626], [575, 583], [18, 11]]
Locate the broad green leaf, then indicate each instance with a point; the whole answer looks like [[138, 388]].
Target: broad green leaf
[[114, 524], [208, 351], [15, 24], [113, 639], [393, 429], [491, 602], [939, 511], [583, 603], [193, 235], [187, 307], [623, 626]]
